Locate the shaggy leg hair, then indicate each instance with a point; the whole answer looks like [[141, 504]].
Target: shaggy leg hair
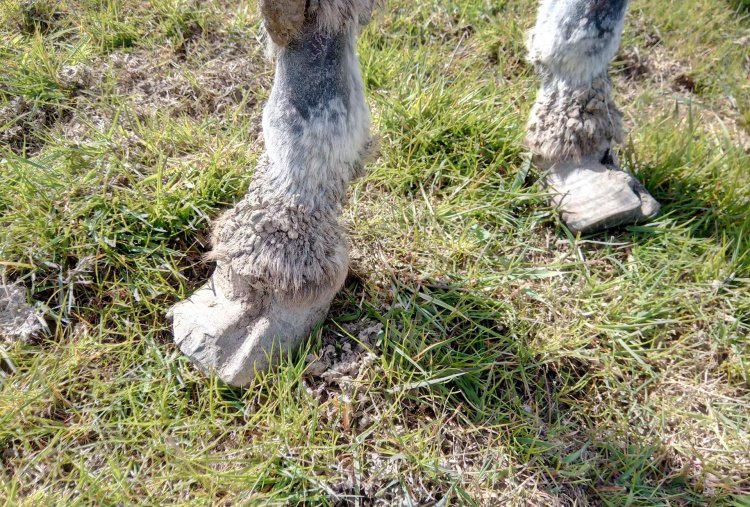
[[571, 46], [281, 254], [570, 123], [285, 232]]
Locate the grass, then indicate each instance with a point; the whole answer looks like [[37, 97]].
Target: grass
[[509, 362]]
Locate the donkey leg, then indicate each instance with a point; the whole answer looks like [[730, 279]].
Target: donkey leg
[[575, 123], [281, 254]]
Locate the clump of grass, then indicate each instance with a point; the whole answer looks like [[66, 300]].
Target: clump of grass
[[39, 16]]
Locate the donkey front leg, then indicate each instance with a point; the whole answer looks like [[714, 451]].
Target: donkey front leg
[[574, 122], [281, 254]]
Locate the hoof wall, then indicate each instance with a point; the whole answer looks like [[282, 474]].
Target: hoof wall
[[236, 332], [593, 196]]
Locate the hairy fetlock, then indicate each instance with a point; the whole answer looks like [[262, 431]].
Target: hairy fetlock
[[573, 123], [283, 244]]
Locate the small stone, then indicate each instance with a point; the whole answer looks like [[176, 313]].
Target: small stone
[[18, 321]]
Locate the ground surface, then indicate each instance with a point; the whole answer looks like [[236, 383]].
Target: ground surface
[[478, 355]]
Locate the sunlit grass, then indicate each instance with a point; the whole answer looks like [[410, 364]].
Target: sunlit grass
[[516, 364]]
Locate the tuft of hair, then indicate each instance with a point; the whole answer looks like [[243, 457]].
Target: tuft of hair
[[286, 20], [280, 243], [571, 123]]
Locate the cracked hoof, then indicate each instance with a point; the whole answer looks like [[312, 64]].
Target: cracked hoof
[[593, 195], [235, 330]]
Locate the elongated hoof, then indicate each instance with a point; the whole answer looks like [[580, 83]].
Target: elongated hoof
[[593, 196], [237, 331]]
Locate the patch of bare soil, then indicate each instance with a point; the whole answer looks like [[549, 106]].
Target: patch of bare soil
[[206, 80], [215, 78], [23, 124], [334, 371]]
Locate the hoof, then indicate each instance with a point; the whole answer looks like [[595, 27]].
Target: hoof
[[593, 196], [236, 331]]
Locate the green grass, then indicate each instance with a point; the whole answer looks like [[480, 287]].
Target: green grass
[[516, 364]]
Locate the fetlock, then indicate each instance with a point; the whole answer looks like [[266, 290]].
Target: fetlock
[[569, 123], [296, 250]]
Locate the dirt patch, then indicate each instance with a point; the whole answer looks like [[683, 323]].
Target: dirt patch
[[216, 78], [343, 376], [212, 79], [334, 370], [205, 83], [654, 70], [23, 124]]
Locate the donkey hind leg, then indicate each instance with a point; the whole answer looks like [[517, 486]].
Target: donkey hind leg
[[281, 253], [574, 122]]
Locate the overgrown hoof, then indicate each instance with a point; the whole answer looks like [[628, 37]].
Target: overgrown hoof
[[236, 331], [593, 196]]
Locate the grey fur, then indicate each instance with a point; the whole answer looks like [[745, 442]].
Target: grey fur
[[281, 243], [332, 16], [574, 40], [571, 46], [574, 123], [570, 123]]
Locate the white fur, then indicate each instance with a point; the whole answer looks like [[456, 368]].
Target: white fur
[[578, 57]]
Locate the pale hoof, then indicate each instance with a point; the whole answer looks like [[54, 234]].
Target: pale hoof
[[593, 196], [237, 331]]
